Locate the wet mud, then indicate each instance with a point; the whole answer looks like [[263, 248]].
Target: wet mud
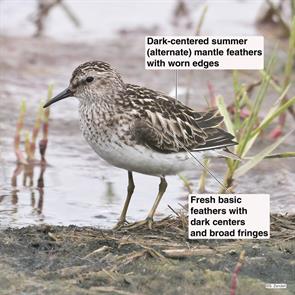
[[83, 260]]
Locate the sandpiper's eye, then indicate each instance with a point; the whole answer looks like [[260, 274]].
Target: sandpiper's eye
[[89, 79]]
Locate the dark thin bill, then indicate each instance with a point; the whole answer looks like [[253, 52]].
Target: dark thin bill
[[64, 94]]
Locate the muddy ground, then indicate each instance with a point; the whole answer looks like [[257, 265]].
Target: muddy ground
[[83, 260]]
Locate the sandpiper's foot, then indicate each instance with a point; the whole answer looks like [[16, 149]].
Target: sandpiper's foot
[[148, 222], [120, 224]]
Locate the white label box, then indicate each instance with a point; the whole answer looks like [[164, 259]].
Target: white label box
[[229, 216], [204, 52]]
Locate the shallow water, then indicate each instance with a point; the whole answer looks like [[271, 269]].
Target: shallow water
[[79, 188]]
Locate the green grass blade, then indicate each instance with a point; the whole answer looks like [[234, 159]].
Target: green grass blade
[[186, 183], [291, 54], [250, 143], [277, 156], [245, 143], [260, 156], [226, 117], [273, 113], [202, 180], [282, 155]]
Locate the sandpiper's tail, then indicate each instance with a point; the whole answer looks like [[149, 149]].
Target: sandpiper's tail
[[217, 138]]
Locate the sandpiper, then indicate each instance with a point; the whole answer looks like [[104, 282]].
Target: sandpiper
[[139, 129]]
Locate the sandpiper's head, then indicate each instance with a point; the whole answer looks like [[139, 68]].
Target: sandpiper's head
[[90, 82]]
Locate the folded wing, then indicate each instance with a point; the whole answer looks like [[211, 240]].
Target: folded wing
[[168, 126]]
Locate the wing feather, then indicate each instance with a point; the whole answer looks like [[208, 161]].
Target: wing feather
[[166, 126]]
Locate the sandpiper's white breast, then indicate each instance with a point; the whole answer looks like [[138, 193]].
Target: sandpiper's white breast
[[141, 159]]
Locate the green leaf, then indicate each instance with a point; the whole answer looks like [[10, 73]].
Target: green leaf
[[260, 156]]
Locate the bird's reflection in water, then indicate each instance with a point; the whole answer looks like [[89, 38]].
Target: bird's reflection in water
[[27, 174]]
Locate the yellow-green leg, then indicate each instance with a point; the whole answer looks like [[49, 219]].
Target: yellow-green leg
[[150, 217], [122, 220]]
